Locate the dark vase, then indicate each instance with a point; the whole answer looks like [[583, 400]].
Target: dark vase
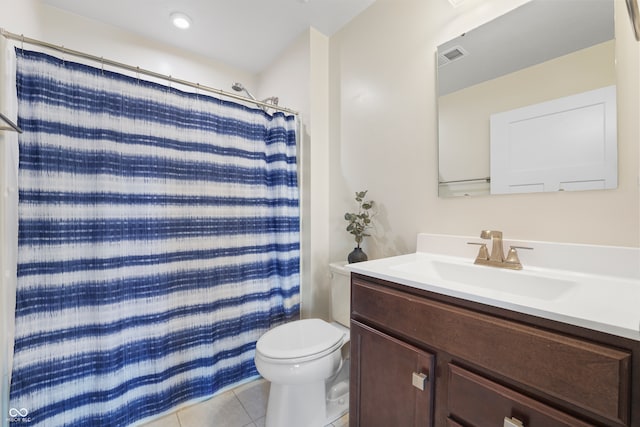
[[357, 255]]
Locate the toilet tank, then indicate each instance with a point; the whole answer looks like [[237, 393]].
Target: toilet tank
[[340, 293]]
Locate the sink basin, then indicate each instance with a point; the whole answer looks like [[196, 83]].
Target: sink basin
[[522, 283], [594, 287]]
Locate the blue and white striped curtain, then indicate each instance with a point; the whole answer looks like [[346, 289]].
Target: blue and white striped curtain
[[158, 239]]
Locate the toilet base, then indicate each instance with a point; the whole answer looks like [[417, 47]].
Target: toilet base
[[338, 394], [336, 410], [296, 405], [315, 404]]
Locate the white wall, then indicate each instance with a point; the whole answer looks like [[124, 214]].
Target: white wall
[[384, 138], [318, 189]]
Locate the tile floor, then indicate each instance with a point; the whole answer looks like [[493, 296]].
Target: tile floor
[[243, 406]]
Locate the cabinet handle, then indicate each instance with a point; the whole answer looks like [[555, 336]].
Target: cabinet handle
[[512, 422], [419, 380]]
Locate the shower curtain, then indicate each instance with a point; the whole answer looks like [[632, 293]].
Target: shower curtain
[[158, 239]]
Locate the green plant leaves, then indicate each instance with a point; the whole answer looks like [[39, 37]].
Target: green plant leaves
[[360, 195], [359, 222]]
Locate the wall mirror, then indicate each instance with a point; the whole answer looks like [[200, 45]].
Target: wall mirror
[[527, 102]]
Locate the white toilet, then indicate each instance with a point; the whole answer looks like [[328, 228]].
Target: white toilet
[[305, 364]]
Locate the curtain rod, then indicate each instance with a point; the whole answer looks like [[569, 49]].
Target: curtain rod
[[12, 126], [21, 38]]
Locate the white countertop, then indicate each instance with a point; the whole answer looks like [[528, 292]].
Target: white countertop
[[605, 297]]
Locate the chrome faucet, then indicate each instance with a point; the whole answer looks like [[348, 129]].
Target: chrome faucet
[[497, 258]]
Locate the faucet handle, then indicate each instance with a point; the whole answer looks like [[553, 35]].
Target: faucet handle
[[512, 255], [483, 252]]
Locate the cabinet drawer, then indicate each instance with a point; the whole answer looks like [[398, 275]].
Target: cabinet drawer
[[582, 373], [478, 402]]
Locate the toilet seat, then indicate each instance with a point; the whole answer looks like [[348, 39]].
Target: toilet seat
[[303, 340]]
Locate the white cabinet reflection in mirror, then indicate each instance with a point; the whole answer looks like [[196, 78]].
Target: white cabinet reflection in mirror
[[569, 143]]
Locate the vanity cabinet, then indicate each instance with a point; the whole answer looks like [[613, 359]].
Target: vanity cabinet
[[481, 365]]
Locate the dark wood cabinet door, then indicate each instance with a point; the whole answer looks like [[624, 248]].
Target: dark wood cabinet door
[[391, 381]]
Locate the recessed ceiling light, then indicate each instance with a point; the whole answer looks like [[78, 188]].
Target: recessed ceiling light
[[456, 3], [180, 20]]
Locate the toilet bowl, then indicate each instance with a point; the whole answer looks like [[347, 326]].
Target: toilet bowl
[[305, 364]]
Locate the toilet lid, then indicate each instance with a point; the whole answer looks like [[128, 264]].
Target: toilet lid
[[299, 338]]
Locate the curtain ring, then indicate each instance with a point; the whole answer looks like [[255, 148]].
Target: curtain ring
[[102, 64], [138, 74], [22, 43]]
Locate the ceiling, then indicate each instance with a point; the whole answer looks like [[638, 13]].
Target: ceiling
[[246, 34]]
